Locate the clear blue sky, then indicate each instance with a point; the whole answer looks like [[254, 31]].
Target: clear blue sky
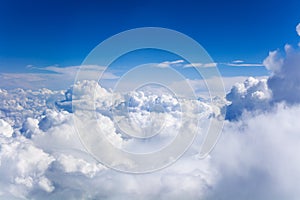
[[43, 33]]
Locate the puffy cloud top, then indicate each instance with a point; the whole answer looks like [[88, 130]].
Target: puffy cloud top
[[285, 80], [281, 86], [45, 159], [5, 128], [253, 94]]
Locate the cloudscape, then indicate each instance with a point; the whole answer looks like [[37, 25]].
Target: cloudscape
[[73, 127]]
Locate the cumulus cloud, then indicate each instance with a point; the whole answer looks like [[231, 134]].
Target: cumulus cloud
[[42, 156], [256, 156], [5, 128], [249, 161], [252, 94], [281, 86], [285, 79]]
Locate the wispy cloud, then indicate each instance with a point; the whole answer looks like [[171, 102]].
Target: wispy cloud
[[213, 64], [238, 61], [182, 63], [56, 78], [241, 63], [174, 63], [89, 71]]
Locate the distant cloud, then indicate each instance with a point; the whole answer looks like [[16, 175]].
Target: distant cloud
[[235, 63], [59, 78], [238, 61], [181, 63], [174, 63], [213, 64], [89, 71]]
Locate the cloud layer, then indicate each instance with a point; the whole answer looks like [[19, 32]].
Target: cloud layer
[[41, 156]]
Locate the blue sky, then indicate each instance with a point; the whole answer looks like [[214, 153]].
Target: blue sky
[[45, 33]]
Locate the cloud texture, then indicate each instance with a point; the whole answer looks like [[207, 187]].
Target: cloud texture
[[41, 156]]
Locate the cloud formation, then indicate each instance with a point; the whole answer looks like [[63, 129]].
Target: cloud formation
[[285, 80], [256, 157], [251, 95], [43, 158], [282, 85], [53, 77]]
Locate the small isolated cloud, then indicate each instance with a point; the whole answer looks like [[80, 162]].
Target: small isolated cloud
[[175, 63], [241, 63], [298, 29], [213, 64], [238, 61]]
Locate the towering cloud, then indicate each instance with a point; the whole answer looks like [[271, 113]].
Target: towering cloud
[[281, 86], [285, 79]]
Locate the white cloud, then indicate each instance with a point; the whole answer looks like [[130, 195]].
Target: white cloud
[[274, 61], [200, 65], [174, 63], [251, 95], [235, 63], [51, 163], [285, 79], [241, 63], [238, 61], [60, 78], [5, 128], [244, 64], [256, 157]]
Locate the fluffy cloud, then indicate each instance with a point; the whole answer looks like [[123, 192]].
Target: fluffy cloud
[[251, 95], [298, 29], [44, 158], [51, 163], [5, 128], [249, 160], [281, 86], [41, 156], [285, 79], [257, 157]]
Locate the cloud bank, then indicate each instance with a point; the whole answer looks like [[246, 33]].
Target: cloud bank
[[41, 156]]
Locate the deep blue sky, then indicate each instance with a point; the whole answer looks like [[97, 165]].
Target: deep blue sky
[[43, 33]]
